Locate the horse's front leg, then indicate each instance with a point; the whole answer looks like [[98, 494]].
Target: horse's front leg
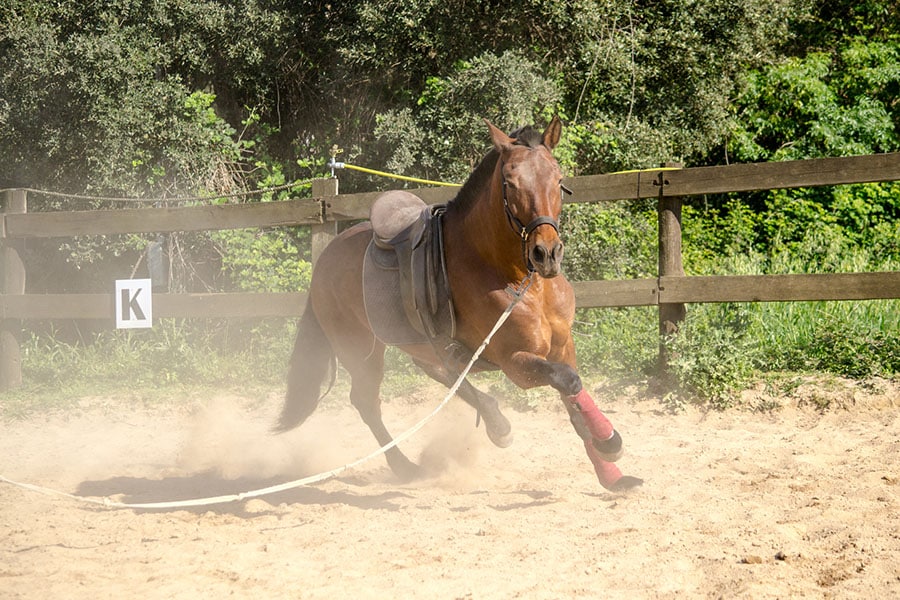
[[602, 442]]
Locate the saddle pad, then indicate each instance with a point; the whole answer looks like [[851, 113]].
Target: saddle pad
[[384, 304]]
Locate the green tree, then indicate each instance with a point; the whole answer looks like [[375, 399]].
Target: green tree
[[834, 95], [445, 135], [641, 84], [115, 95]]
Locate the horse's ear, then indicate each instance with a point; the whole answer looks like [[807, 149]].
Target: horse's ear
[[552, 133], [500, 139]]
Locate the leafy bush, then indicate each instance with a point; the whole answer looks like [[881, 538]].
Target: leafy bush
[[609, 242], [444, 134], [264, 261], [821, 104], [620, 342], [712, 356]]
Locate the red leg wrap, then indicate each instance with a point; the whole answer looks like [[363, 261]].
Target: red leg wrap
[[608, 473], [596, 421]]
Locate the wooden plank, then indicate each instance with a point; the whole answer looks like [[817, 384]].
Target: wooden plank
[[780, 175], [591, 188], [781, 288], [271, 304], [588, 294], [609, 187], [322, 234], [150, 220], [645, 183], [348, 207], [102, 306], [598, 294], [356, 206], [12, 282], [735, 178], [669, 264], [199, 218], [58, 306]]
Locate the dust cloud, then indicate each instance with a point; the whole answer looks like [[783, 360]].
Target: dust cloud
[[234, 442]]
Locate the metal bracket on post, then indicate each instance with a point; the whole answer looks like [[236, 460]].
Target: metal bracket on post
[[326, 231], [660, 181]]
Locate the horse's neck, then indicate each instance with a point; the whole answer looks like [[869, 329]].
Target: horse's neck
[[485, 230]]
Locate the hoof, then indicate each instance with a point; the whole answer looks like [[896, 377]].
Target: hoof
[[625, 482], [610, 450], [501, 441], [494, 426], [406, 470]]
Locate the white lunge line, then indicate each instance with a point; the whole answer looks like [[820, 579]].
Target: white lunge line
[[517, 295]]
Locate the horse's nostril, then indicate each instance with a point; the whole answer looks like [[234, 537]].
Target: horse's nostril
[[557, 253], [547, 256]]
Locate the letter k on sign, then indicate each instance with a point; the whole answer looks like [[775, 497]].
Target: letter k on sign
[[134, 303]]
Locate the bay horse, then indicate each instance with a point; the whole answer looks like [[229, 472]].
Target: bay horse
[[500, 229]]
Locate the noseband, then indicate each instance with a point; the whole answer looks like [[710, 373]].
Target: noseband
[[524, 231]]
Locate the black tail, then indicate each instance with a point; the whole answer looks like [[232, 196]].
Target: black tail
[[311, 362]]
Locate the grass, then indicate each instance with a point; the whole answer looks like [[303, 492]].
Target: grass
[[719, 351], [175, 357], [854, 339], [721, 348]]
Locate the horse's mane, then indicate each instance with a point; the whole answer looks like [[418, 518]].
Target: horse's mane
[[524, 136]]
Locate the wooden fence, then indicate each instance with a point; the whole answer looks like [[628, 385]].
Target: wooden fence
[[670, 290]]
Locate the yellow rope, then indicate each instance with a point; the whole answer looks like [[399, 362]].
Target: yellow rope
[[395, 176], [645, 170], [343, 165]]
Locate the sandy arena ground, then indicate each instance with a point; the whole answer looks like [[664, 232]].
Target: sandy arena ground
[[796, 503]]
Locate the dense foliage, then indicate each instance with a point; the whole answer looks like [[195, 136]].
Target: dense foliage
[[153, 97], [175, 98]]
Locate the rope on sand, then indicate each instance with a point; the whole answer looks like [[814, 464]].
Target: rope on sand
[[517, 294]]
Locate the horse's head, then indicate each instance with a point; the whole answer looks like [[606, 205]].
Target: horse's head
[[531, 184]]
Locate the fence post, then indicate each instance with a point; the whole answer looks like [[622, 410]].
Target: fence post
[[669, 265], [324, 232], [12, 283]]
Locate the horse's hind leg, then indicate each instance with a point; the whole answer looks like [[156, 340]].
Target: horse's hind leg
[[499, 430], [366, 375]]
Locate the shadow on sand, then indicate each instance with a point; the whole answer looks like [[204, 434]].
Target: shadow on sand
[[142, 490]]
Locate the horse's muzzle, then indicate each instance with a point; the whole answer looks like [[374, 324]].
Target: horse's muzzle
[[546, 259]]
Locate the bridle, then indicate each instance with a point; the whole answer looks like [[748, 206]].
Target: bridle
[[525, 231]]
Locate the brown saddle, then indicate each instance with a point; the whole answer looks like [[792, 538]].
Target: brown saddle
[[405, 285], [406, 290], [397, 217]]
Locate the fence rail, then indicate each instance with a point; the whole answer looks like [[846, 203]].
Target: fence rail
[[738, 288], [670, 290], [325, 208], [588, 294]]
